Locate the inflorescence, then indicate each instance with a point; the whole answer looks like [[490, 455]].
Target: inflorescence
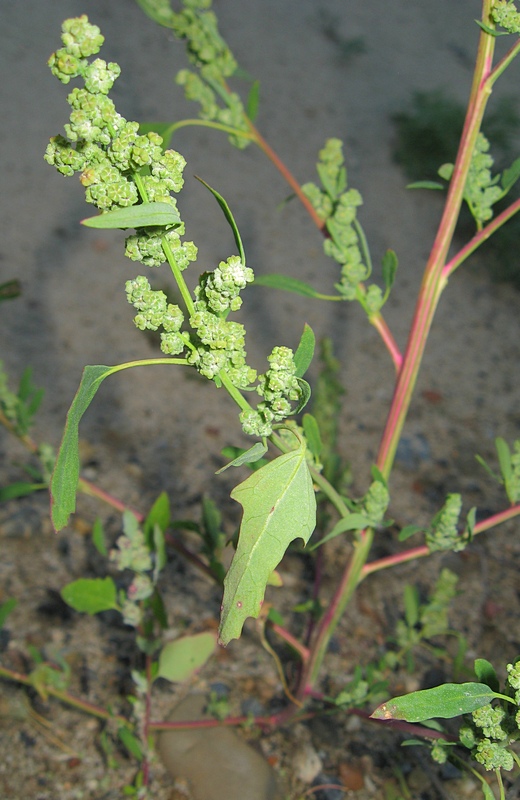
[[119, 167]]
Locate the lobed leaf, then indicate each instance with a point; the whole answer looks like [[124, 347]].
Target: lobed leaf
[[279, 506]]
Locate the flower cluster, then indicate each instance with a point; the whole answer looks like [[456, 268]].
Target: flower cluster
[[505, 13], [209, 53], [155, 312], [337, 207], [279, 386], [132, 552], [219, 343], [491, 729], [105, 148], [443, 533]]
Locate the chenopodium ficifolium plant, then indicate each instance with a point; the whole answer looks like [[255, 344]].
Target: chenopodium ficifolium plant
[[346, 243], [213, 63], [129, 178]]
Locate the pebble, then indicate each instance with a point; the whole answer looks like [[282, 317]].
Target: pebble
[[306, 763], [216, 762]]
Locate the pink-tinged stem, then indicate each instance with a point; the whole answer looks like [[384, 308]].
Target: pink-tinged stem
[[86, 487], [480, 238], [434, 281], [432, 285], [291, 640], [423, 550]]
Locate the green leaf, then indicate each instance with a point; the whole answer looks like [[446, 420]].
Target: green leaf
[[389, 269], [65, 477], [159, 548], [159, 514], [485, 673], [247, 457], [131, 742], [305, 351], [510, 176], [279, 506], [10, 289], [286, 284], [492, 32], [98, 537], [19, 489], [143, 215], [229, 216], [408, 531], [353, 522], [504, 458], [305, 390], [90, 595], [253, 101], [180, 659], [425, 185], [235, 452], [312, 434], [446, 701], [5, 610]]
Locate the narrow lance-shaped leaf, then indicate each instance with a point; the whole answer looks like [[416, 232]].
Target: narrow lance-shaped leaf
[[64, 482], [279, 506], [446, 701], [143, 215], [305, 351], [287, 284], [230, 218]]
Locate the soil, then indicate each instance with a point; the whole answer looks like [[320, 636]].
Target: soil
[[326, 68]]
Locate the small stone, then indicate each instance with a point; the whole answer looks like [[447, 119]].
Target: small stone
[[216, 762], [306, 763]]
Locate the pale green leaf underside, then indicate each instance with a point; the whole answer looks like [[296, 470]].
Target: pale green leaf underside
[[142, 215], [444, 702], [279, 506], [180, 659]]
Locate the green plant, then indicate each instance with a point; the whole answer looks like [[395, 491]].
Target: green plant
[[428, 131], [130, 177]]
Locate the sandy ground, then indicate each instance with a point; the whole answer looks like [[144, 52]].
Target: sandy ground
[[155, 430]]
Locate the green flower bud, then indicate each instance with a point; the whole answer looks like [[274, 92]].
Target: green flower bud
[[493, 756], [100, 76], [80, 38], [66, 66]]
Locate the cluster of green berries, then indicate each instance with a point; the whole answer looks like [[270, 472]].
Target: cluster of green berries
[[279, 387]]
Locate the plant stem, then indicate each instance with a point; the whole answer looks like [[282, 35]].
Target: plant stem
[[434, 280], [480, 238], [67, 698], [432, 285]]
